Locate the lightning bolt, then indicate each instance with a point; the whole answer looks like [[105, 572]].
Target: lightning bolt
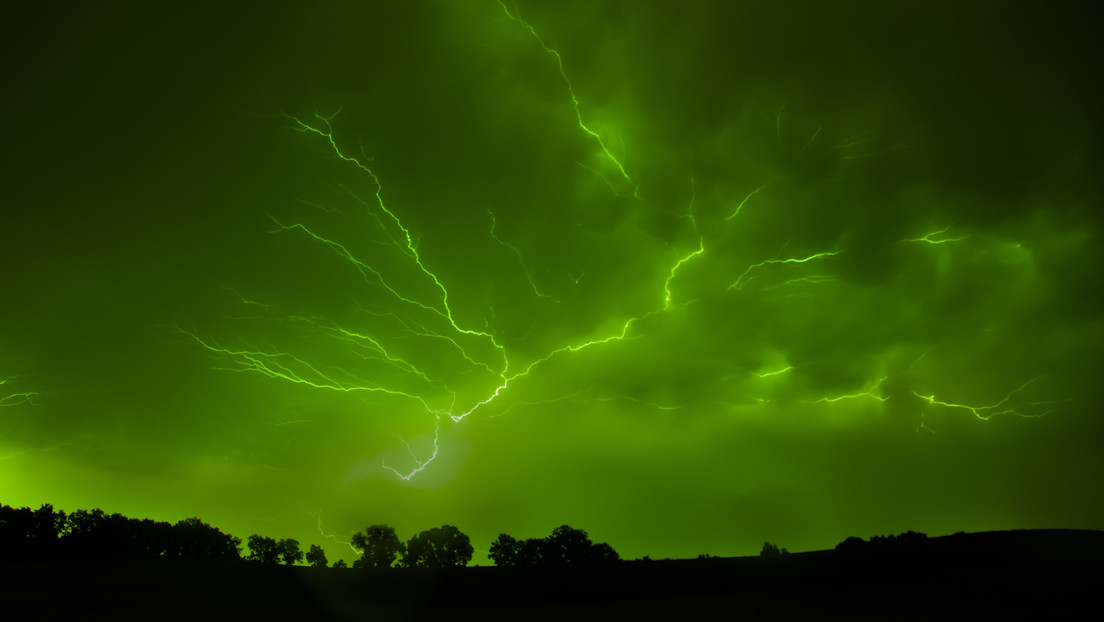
[[298, 369], [10, 396], [869, 393], [422, 464], [521, 260], [574, 99], [931, 238], [474, 366], [740, 205], [1003, 407], [325, 533], [739, 284]]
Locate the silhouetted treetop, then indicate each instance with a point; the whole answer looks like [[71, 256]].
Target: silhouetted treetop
[[316, 557], [440, 547], [198, 540], [378, 546], [24, 533], [263, 549], [772, 550], [95, 534], [565, 545], [290, 552], [504, 550]]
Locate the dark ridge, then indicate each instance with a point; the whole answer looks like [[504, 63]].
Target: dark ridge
[[1045, 573]]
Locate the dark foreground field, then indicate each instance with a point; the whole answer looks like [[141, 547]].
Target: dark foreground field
[[1017, 575]]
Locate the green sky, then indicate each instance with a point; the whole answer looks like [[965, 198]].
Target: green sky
[[689, 276]]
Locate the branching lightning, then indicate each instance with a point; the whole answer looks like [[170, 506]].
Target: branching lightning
[[521, 260], [934, 238], [1006, 406], [574, 99], [871, 393], [317, 516], [740, 205], [10, 396], [422, 464], [404, 311], [740, 282]]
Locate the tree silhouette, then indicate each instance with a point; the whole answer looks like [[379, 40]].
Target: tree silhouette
[[772, 550], [566, 545], [440, 547], [290, 552], [603, 552], [378, 546], [16, 525], [46, 530], [263, 549], [316, 557], [340, 564], [198, 540], [505, 550], [531, 552], [95, 534]]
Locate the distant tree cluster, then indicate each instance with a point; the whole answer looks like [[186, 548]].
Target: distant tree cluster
[[909, 539], [48, 534], [772, 550], [440, 547], [268, 551], [564, 546]]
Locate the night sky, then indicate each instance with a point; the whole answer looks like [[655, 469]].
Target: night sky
[[689, 276]]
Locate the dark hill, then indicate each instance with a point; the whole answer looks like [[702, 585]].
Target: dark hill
[[1018, 574]]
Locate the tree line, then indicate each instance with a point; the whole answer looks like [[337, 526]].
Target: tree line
[[46, 533], [93, 534]]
